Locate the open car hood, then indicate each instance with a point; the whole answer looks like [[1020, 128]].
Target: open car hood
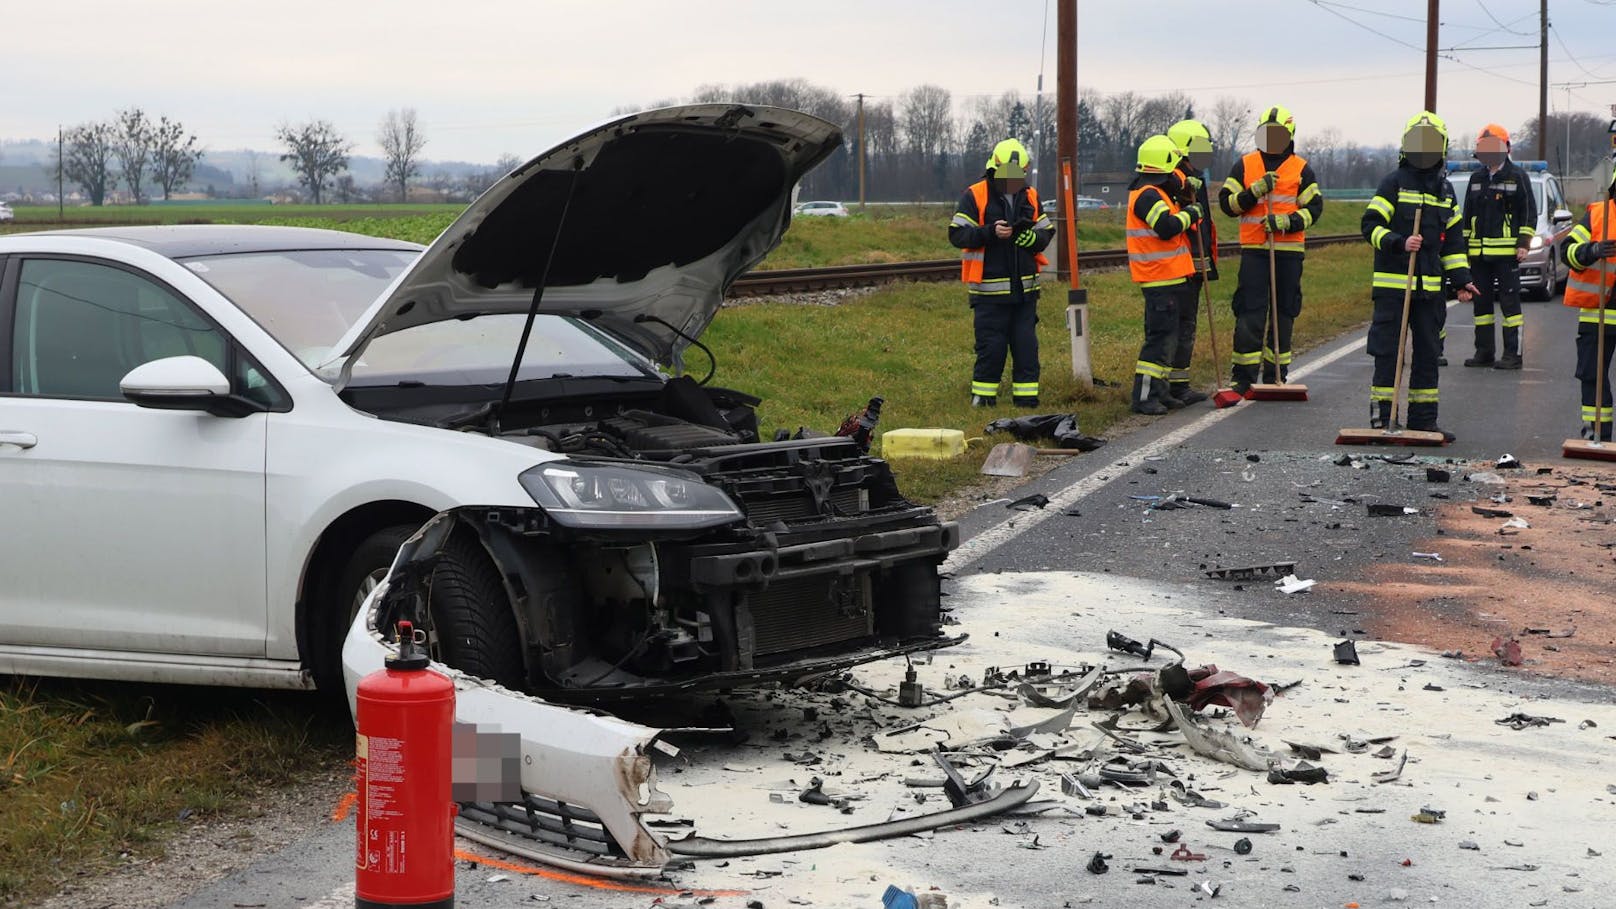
[[650, 217]]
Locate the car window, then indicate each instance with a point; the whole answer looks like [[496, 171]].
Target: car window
[[81, 327]]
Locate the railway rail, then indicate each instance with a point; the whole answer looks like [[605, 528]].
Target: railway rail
[[801, 280]]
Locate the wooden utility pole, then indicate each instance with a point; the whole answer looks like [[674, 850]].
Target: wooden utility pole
[[862, 147], [1077, 298], [1543, 82], [1432, 27]]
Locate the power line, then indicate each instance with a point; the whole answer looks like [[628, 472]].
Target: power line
[[1371, 12], [1321, 4], [1556, 32]]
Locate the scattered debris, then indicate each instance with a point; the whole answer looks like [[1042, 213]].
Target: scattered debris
[[1437, 475], [1471, 845], [1237, 826], [1183, 854], [1519, 721], [1252, 572], [1508, 651], [1491, 512], [1346, 653], [1428, 816], [1027, 503], [1508, 462], [1062, 428], [1121, 643], [1514, 524], [1392, 775], [1210, 503], [1485, 478], [1433, 556], [1242, 846], [1383, 510], [1542, 501], [1097, 863], [1217, 744]]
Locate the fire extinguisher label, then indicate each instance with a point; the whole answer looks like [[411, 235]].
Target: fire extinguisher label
[[380, 769]]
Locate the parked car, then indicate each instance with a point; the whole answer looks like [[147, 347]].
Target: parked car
[[821, 209], [1079, 203], [1543, 270], [6, 214], [214, 440]]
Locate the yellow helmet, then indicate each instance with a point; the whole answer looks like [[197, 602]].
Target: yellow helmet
[[1193, 141], [1009, 159], [1158, 155], [1280, 115], [1426, 118]]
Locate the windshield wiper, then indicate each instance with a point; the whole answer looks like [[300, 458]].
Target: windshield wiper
[[538, 295]]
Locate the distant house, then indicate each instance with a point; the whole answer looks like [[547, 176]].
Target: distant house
[[1111, 186]]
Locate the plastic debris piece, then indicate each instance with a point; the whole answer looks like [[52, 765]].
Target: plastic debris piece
[[1437, 475], [1097, 863], [1516, 523], [1485, 478], [1433, 556], [1027, 503], [1508, 651], [1183, 854], [1387, 776], [1346, 653], [1242, 846], [1541, 501], [1507, 462], [1233, 826], [1061, 427], [1303, 772], [1471, 845], [1384, 510], [1519, 721], [1214, 743], [1425, 817], [1171, 836], [1252, 572], [1290, 584]]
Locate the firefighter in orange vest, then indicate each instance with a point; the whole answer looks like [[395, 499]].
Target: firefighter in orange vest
[[1002, 232], [1160, 262], [1591, 253], [1274, 193]]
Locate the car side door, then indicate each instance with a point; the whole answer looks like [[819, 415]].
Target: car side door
[[128, 529]]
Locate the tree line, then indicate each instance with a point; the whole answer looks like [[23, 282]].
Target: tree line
[[921, 145]]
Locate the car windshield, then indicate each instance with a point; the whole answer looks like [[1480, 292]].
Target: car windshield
[[308, 299]]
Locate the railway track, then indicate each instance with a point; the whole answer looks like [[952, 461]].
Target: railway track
[[801, 280]]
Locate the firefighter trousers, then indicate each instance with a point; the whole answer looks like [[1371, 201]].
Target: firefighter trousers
[[1499, 280], [1161, 342], [1425, 319], [1257, 343], [1588, 372], [1006, 328], [1189, 298]]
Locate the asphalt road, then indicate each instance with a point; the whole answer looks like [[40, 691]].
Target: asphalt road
[[1268, 459]]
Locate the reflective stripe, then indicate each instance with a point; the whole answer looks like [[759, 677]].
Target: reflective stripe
[[1024, 389], [1488, 319], [1029, 283], [1515, 321], [987, 389], [1140, 232], [1388, 280], [1422, 396], [1591, 316], [1282, 200], [1154, 256], [1527, 231], [1150, 370], [1421, 198], [1043, 223], [1284, 357], [1308, 195], [1165, 282], [1252, 219], [1452, 220], [1588, 414], [1178, 375], [1245, 359], [1380, 205], [1377, 236], [1456, 260], [1379, 393], [971, 255], [1576, 283], [962, 220]]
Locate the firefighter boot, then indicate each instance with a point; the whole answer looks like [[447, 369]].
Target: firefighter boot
[[1143, 401], [1380, 414], [1185, 394]]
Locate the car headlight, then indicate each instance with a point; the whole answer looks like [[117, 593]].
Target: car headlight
[[602, 496], [1535, 243]]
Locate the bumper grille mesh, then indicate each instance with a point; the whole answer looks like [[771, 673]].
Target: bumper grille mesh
[[811, 612]]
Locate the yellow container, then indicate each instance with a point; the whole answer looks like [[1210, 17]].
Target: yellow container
[[938, 444]]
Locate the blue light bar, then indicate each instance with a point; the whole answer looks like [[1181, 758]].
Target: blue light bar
[[1531, 167]]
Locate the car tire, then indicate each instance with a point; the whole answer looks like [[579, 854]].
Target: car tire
[[473, 627], [340, 599]]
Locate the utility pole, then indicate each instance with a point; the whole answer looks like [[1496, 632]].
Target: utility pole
[[1432, 27], [862, 149], [1543, 82], [1077, 298]]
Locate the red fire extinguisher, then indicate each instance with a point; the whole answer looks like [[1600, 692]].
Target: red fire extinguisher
[[405, 718]]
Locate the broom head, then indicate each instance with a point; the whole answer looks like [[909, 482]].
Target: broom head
[[1589, 450], [1268, 391], [1391, 437], [1226, 397]]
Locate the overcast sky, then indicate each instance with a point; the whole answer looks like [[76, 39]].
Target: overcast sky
[[489, 77]]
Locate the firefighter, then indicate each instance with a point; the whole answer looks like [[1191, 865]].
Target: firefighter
[[1194, 142], [1591, 253], [1160, 263], [1274, 193], [1002, 233], [1419, 184], [1500, 217]]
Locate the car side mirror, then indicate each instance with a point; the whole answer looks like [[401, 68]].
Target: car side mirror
[[1561, 216], [183, 383]]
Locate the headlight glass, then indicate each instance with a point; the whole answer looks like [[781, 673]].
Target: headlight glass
[[1535, 243], [600, 496]]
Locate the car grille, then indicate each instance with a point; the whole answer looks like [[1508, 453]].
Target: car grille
[[799, 505], [554, 823], [794, 615]]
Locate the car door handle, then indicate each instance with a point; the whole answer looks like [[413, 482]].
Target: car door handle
[[19, 439]]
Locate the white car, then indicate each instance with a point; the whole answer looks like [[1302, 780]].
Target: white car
[[214, 440], [821, 209], [6, 214], [1543, 272]]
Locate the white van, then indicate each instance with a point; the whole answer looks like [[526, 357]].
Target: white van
[[1543, 271]]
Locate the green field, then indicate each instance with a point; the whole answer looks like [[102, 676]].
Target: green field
[[100, 773]]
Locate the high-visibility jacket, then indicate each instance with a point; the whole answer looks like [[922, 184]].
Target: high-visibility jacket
[[1282, 200], [979, 279], [1387, 221], [1589, 285], [1204, 236], [1158, 242], [1500, 212]]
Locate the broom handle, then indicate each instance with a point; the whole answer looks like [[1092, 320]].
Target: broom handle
[[1273, 294], [1211, 329], [1408, 295]]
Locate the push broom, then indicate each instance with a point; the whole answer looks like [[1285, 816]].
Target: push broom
[[1394, 433], [1594, 449], [1222, 397], [1280, 390]]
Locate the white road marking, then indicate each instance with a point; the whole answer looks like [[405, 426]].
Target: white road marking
[[991, 539]]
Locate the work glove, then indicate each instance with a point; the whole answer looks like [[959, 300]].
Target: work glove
[[1277, 224], [1026, 238], [1194, 211], [1263, 185], [1601, 249], [1195, 183]]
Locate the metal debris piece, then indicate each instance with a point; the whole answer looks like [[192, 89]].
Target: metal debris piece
[[1433, 556], [960, 793], [1346, 653], [1519, 721], [1385, 510], [1252, 572], [1311, 752], [1217, 744], [1209, 503], [1187, 796], [1234, 826], [1388, 776], [1542, 501], [1471, 845]]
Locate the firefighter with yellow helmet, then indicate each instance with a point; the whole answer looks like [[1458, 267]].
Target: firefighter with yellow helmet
[[1159, 261], [1420, 187], [1001, 232], [1194, 142], [1275, 194]]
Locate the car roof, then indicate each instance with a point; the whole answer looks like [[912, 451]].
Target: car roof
[[184, 241]]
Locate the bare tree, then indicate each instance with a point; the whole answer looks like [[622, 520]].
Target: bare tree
[[926, 120], [174, 155], [133, 148], [401, 141], [1230, 123], [87, 159], [316, 151]]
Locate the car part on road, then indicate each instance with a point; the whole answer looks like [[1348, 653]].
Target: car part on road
[[1028, 503], [1346, 653], [1231, 826], [1010, 797], [1097, 863], [1251, 572], [1121, 643], [1392, 775], [1216, 744]]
